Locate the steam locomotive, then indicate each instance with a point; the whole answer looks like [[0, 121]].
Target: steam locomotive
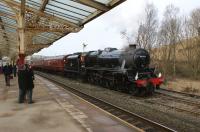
[[124, 70]]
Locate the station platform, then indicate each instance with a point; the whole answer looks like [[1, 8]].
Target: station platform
[[54, 110]]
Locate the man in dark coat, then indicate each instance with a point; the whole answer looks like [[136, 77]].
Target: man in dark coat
[[21, 82], [11, 69], [29, 82], [7, 72], [14, 70]]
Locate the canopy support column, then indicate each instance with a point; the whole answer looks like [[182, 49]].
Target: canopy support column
[[21, 31]]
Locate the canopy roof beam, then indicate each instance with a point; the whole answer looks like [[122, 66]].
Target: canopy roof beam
[[7, 25], [47, 29], [22, 11], [42, 8], [42, 14], [7, 15], [94, 4]]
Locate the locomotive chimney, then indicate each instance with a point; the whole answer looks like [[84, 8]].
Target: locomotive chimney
[[132, 46]]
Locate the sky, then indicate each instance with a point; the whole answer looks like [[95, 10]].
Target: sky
[[104, 31]]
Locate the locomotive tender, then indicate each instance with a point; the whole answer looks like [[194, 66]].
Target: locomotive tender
[[125, 70]]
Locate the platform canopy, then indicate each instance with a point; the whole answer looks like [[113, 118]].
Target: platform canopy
[[27, 26]]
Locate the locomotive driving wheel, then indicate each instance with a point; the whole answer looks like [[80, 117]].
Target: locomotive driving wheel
[[143, 91], [150, 88], [106, 83], [112, 86], [134, 91]]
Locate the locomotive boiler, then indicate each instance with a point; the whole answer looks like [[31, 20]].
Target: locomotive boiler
[[130, 58]]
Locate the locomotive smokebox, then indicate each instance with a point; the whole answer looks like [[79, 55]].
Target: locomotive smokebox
[[136, 57]]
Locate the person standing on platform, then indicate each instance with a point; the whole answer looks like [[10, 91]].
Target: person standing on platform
[[21, 83], [11, 70], [7, 72], [14, 70], [29, 82], [1, 69]]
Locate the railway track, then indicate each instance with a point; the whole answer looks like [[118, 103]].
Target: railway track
[[187, 101], [180, 109], [192, 101], [180, 93], [127, 116]]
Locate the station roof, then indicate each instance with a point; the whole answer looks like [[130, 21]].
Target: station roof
[[45, 21]]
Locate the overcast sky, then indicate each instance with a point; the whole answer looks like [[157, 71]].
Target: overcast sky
[[104, 31]]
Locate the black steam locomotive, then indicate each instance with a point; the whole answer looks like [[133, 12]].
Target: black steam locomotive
[[125, 70]]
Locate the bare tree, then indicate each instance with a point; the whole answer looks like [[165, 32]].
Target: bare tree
[[191, 41], [195, 21], [170, 31], [147, 31]]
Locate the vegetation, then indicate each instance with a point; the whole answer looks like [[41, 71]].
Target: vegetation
[[174, 43]]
